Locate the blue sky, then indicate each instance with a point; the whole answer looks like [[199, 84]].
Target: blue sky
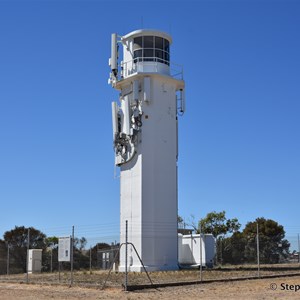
[[239, 139]]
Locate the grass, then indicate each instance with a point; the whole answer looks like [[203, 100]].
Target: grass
[[116, 279]]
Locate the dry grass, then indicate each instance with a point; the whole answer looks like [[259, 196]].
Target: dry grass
[[250, 289], [116, 279]]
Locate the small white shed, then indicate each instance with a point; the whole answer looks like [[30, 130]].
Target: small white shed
[[34, 260], [189, 249]]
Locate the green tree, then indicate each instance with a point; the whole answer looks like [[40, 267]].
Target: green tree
[[51, 255], [272, 243], [180, 222], [17, 238], [233, 249], [80, 243], [217, 224], [3, 255], [52, 242]]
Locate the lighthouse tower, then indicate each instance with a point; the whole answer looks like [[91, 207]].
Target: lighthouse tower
[[145, 138]]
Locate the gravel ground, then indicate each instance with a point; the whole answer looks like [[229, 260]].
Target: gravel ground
[[251, 289]]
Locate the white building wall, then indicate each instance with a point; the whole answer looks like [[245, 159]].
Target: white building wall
[[159, 192], [149, 185], [130, 188]]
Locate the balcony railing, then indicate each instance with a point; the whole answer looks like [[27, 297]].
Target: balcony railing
[[151, 65]]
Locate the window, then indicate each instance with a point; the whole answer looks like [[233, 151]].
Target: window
[[159, 43], [138, 43], [148, 42], [166, 56], [160, 55], [137, 55], [148, 54], [166, 46], [151, 48]]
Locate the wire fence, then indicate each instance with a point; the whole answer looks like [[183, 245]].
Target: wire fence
[[95, 254]]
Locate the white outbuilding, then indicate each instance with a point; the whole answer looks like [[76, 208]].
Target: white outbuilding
[[190, 253], [34, 260]]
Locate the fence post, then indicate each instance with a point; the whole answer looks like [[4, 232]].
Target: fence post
[[221, 251], [72, 254], [126, 252], [27, 257], [59, 271], [200, 251], [257, 243], [90, 260], [298, 249], [7, 263], [51, 266]]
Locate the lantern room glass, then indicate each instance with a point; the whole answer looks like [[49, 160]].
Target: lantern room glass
[[151, 48]]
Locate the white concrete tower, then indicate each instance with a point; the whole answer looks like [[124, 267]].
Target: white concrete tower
[[145, 134]]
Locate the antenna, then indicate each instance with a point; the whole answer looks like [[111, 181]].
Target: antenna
[[114, 54], [126, 117], [114, 108]]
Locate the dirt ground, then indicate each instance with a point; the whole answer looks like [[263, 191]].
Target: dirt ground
[[250, 289]]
